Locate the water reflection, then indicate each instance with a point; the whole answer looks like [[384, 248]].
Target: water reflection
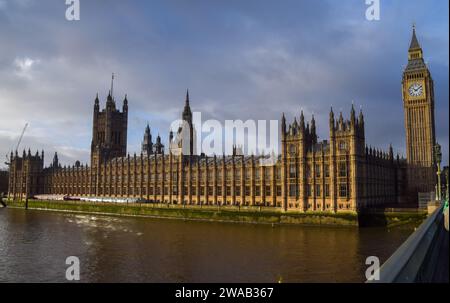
[[34, 246]]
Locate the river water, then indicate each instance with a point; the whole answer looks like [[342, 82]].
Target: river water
[[34, 246]]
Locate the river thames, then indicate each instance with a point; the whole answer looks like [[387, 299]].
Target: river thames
[[34, 246]]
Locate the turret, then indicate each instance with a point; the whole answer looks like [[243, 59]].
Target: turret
[[283, 126], [391, 152], [340, 122], [95, 136], [352, 117], [55, 163], [313, 130], [159, 147], [302, 121], [331, 120], [361, 119], [96, 104], [125, 104], [147, 144], [110, 104], [295, 126]]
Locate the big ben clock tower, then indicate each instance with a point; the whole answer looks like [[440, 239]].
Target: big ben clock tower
[[418, 104]]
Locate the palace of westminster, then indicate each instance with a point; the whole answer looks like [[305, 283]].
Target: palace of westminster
[[339, 174]]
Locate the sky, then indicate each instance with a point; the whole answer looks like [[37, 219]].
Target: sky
[[240, 59]]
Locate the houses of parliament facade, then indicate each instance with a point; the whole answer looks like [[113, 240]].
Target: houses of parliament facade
[[339, 174]]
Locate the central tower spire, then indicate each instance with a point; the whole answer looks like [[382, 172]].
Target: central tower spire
[[187, 113], [187, 97], [112, 86]]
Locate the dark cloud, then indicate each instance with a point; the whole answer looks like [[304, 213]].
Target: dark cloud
[[241, 60]]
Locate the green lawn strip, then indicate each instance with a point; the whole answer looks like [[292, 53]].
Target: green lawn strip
[[210, 213]]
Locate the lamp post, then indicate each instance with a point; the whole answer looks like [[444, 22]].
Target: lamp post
[[446, 181], [438, 158]]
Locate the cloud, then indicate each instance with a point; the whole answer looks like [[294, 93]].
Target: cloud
[[24, 66], [240, 59]]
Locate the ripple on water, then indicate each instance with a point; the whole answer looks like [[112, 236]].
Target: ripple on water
[[34, 246]]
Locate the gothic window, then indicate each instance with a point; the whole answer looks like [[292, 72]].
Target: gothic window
[[318, 190], [343, 190], [342, 145], [268, 191], [278, 191], [318, 170], [342, 169], [292, 171], [247, 190], [308, 190], [326, 169], [292, 190], [292, 149], [257, 191], [327, 190], [278, 173]]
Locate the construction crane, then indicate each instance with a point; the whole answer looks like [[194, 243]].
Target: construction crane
[[18, 144]]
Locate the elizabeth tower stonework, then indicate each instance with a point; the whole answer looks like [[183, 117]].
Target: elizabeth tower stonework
[[418, 104]]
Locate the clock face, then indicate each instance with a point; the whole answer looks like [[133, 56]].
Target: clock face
[[416, 90]]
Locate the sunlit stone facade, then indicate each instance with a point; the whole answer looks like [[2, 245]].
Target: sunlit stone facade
[[334, 175], [339, 174]]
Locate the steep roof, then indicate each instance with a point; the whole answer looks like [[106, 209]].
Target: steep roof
[[414, 42]]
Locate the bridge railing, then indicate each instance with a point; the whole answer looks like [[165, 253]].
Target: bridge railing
[[406, 264]]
